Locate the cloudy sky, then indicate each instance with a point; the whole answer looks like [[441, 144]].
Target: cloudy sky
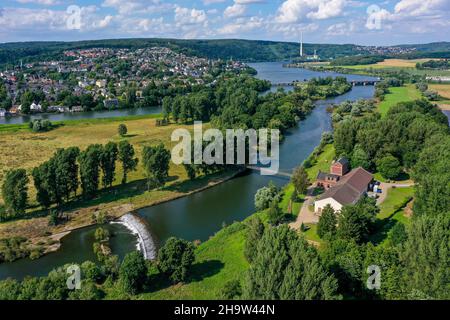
[[371, 22]]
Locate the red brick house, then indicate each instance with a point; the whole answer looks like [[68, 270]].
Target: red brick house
[[338, 169]]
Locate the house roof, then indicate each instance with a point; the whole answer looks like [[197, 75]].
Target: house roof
[[323, 176], [343, 161], [350, 188]]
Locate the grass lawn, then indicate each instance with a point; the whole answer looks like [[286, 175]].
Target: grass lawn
[[391, 212], [217, 261], [396, 199], [311, 233], [396, 95], [323, 162], [402, 178]]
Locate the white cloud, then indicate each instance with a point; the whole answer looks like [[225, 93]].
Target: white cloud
[[43, 2], [242, 25], [236, 10], [341, 29], [292, 11], [421, 7], [186, 16], [131, 7]]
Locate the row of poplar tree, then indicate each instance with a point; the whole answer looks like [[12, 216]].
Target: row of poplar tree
[[57, 180]]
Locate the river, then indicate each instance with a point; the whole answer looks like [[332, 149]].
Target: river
[[199, 216], [79, 115]]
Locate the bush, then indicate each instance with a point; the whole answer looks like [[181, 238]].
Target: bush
[[265, 196], [389, 166], [122, 130], [175, 259], [231, 290], [133, 272]]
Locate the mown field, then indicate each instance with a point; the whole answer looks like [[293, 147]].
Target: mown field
[[442, 89], [400, 64], [398, 94]]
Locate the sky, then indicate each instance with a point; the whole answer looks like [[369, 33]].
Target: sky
[[371, 22]]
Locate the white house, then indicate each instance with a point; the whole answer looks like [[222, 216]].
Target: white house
[[36, 107], [347, 191], [2, 112]]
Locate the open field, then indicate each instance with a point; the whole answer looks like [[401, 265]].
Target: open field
[[26, 149], [442, 89], [400, 65], [398, 94]]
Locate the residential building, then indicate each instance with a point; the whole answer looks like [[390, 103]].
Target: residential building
[[348, 190]]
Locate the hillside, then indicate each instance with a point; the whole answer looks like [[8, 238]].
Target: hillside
[[245, 50]]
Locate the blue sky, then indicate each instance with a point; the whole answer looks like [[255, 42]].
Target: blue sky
[[371, 22]]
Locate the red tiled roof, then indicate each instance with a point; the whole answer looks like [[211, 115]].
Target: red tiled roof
[[350, 188]]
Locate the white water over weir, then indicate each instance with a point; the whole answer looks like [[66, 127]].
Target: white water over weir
[[146, 244]]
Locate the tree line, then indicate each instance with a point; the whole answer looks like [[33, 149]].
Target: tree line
[[109, 276], [58, 180]]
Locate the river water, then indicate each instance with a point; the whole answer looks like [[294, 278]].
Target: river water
[[199, 216], [79, 115]]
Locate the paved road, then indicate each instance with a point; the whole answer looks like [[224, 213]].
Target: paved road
[[305, 215]]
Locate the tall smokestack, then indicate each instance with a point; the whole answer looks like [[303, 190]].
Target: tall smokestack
[[301, 44]]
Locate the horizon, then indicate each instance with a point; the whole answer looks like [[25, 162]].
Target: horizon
[[365, 23], [222, 39]]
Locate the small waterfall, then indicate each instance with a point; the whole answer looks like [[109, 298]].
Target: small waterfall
[[146, 244]]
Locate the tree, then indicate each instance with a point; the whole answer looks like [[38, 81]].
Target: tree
[[9, 289], [360, 158], [255, 229], [231, 290], [122, 130], [45, 184], [275, 214], [175, 259], [89, 161], [357, 221], [108, 163], [265, 196], [133, 272], [91, 271], [300, 180], [397, 235], [15, 192], [389, 167], [326, 228], [286, 267], [64, 163], [126, 156], [191, 170], [156, 162], [425, 254]]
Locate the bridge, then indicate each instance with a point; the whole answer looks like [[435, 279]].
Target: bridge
[[275, 173], [353, 82]]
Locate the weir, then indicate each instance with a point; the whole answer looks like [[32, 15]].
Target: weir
[[138, 227]]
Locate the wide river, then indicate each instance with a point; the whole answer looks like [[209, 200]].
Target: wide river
[[79, 115], [199, 216]]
